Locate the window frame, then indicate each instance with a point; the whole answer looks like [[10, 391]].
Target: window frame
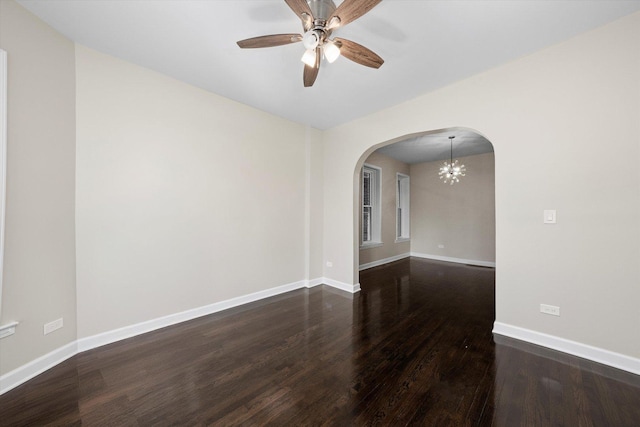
[[375, 206], [403, 207]]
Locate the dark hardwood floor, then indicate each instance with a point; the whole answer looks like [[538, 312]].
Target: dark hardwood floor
[[414, 347]]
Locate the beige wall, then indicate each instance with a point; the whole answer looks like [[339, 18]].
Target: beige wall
[[184, 198], [39, 259], [389, 248], [460, 217], [314, 203], [550, 117]]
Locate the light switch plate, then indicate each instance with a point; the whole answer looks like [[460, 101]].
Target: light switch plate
[[549, 216]]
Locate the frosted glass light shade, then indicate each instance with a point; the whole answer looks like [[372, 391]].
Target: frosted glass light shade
[[331, 51], [310, 40], [309, 57]]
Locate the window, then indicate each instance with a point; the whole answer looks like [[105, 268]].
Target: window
[[371, 205], [402, 208]]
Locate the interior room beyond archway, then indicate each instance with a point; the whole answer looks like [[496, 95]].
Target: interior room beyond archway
[[407, 206]]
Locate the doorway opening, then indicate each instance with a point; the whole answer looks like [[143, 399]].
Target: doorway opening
[[404, 209]]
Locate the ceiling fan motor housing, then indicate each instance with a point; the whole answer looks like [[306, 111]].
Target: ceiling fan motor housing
[[319, 33], [322, 10]]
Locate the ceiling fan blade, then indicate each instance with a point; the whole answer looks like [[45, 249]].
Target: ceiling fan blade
[[302, 9], [310, 73], [350, 10], [269, 41], [358, 53]]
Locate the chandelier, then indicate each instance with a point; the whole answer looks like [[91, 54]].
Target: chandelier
[[451, 171]]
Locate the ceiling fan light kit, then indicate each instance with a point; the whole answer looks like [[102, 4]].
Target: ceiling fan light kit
[[331, 51], [309, 57], [311, 39], [319, 19]]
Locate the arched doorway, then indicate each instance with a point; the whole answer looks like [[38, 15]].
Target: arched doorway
[[452, 223]]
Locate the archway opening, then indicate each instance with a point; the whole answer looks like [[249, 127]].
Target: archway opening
[[404, 209]]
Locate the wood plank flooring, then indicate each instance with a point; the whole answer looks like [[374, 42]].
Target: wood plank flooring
[[414, 347]]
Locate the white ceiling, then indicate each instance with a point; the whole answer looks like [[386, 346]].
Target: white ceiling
[[425, 45]]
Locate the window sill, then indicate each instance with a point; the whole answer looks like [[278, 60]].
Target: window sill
[[403, 239], [370, 245]]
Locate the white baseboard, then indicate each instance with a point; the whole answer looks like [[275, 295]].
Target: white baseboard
[[314, 282], [341, 285], [334, 284], [25, 372], [456, 260], [599, 355], [112, 336], [383, 261]]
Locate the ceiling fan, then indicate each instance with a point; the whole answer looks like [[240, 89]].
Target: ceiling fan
[[319, 19]]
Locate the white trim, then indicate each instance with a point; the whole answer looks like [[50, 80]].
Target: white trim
[[456, 260], [314, 282], [25, 372], [595, 354], [369, 245], [3, 158], [376, 207], [334, 284], [28, 371], [403, 239], [383, 261], [109, 337], [341, 285]]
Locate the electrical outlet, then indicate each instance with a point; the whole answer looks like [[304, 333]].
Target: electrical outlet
[[441, 246], [550, 309], [8, 329], [53, 326], [329, 264]]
